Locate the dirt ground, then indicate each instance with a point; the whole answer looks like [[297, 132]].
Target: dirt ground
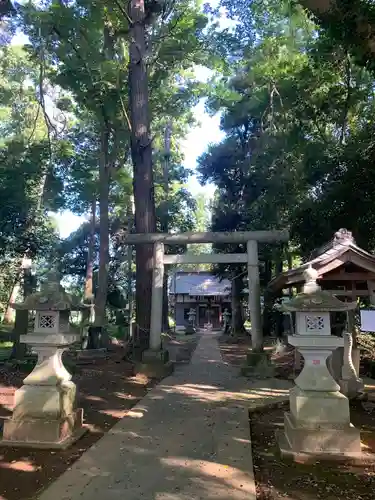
[[107, 390], [278, 479], [234, 353]]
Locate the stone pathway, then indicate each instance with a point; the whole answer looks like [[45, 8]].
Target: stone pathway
[[188, 439]]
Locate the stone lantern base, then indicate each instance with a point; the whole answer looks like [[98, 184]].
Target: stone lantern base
[[318, 427], [45, 413], [44, 417]]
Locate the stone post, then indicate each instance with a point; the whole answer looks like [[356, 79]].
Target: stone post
[[254, 296], [350, 384], [157, 297], [155, 360]]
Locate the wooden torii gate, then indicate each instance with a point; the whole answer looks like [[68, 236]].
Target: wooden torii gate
[[251, 238]]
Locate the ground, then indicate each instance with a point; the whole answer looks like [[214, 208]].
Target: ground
[[278, 479], [234, 353], [107, 390]]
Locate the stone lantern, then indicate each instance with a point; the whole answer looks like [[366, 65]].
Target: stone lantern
[[45, 414], [226, 318], [191, 316], [190, 329], [318, 424]]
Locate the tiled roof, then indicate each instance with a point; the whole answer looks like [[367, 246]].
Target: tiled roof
[[343, 243], [195, 283]]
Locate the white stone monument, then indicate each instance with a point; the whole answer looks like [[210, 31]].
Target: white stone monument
[[318, 424], [45, 413]]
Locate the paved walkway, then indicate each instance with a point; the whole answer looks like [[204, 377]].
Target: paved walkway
[[188, 439]]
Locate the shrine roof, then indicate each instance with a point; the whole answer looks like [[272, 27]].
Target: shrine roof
[[341, 249], [199, 283]]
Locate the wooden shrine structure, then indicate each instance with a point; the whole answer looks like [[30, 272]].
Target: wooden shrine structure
[[343, 268]]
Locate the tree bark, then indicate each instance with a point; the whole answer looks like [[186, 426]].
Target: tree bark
[[88, 295], [89, 289], [165, 316], [21, 323], [9, 315], [268, 301], [165, 220], [104, 179], [141, 151], [279, 316]]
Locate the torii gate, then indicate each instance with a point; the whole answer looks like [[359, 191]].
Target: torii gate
[[251, 238]]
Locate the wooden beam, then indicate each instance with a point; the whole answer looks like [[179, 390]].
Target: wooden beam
[[369, 266], [348, 277], [218, 237], [333, 264], [208, 258]]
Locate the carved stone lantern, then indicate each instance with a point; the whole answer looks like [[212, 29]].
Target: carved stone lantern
[[45, 413], [318, 423], [191, 316], [226, 319]]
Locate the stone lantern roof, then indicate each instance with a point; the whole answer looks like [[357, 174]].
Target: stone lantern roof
[[318, 301], [314, 299], [51, 297]]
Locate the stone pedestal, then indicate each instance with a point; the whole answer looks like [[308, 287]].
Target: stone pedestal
[[155, 364], [45, 413], [320, 441]]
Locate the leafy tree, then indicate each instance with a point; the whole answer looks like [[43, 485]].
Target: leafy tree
[[297, 112], [140, 75], [351, 24]]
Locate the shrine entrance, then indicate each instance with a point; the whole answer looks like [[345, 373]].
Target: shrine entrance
[[209, 314], [250, 238]]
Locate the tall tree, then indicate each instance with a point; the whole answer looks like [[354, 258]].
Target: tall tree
[[141, 149], [350, 24]]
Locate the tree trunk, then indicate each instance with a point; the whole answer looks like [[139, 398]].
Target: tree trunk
[[279, 316], [129, 253], [21, 323], [165, 220], [9, 315], [165, 316], [141, 150], [290, 266], [104, 179], [89, 288], [268, 301], [237, 316]]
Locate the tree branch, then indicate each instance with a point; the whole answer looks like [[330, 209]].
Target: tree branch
[[348, 75], [350, 22]]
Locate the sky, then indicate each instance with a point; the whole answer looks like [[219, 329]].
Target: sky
[[205, 132]]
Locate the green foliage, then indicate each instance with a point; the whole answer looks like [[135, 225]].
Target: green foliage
[[298, 116]]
